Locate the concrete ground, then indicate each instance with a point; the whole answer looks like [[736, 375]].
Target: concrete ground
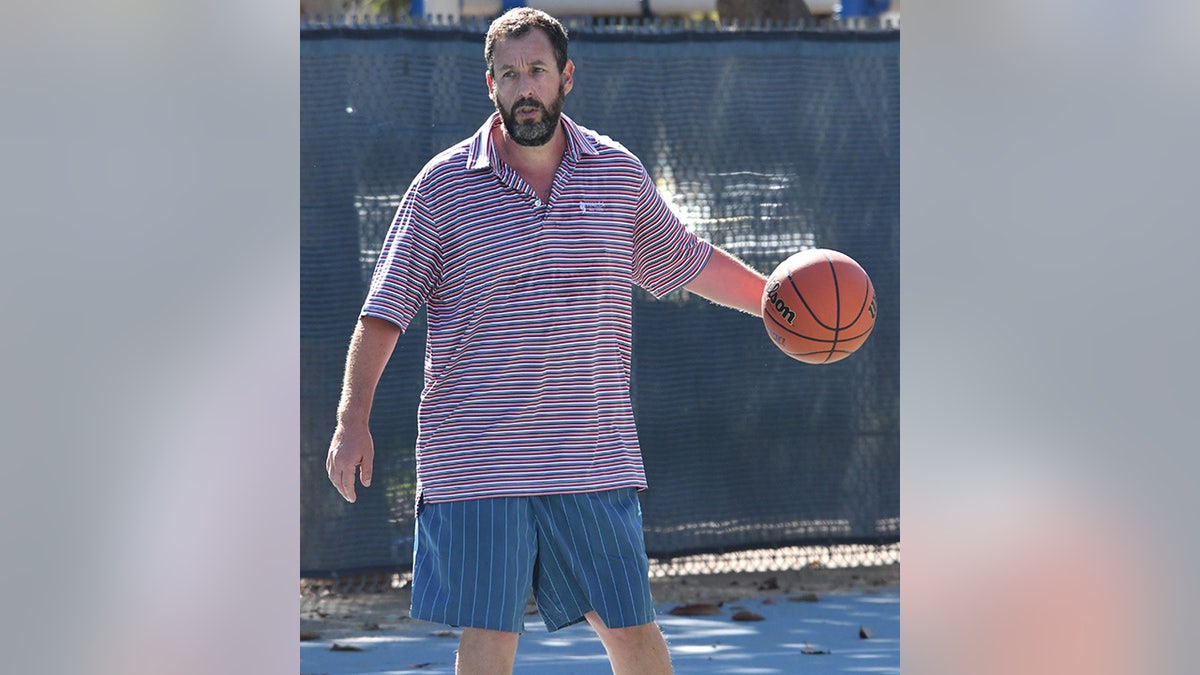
[[854, 631]]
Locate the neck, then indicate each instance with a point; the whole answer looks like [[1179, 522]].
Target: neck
[[544, 156]]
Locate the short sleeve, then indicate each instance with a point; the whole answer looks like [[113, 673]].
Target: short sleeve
[[408, 265], [666, 254]]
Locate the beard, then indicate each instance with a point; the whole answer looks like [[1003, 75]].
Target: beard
[[533, 132]]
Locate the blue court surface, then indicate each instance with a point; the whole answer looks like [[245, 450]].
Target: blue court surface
[[825, 636]]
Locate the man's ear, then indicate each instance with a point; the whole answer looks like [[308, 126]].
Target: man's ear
[[568, 76], [491, 87]]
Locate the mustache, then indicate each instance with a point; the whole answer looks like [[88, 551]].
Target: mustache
[[526, 102]]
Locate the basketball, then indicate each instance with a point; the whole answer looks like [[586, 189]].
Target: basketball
[[819, 306]]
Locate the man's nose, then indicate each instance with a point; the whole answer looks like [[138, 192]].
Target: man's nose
[[525, 86]]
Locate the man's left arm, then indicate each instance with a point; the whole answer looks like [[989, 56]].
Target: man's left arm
[[728, 281]]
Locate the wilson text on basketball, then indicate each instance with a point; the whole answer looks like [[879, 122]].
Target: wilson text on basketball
[[785, 312]]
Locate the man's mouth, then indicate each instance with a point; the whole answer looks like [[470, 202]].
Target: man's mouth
[[527, 110]]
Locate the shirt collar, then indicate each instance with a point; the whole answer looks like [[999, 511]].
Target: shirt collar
[[481, 151]]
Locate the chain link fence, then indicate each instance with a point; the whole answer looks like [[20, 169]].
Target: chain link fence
[[765, 140]]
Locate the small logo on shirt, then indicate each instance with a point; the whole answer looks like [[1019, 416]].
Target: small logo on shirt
[[594, 207]]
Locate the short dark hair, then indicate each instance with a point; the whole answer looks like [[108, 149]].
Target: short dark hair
[[517, 22]]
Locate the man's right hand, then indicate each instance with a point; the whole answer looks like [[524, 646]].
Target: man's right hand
[[351, 448]]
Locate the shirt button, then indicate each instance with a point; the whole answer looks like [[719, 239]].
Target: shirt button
[[537, 202]]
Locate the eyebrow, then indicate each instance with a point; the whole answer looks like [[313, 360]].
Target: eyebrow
[[509, 66]]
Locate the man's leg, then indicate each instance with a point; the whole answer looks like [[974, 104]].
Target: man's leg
[[473, 568], [637, 650], [486, 652]]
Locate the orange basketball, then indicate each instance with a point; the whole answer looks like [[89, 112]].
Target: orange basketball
[[819, 306]]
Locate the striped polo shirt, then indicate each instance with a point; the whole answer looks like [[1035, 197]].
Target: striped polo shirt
[[527, 359]]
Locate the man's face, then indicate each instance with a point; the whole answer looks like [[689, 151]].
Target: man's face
[[527, 88]]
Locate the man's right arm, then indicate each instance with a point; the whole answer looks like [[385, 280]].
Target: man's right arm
[[351, 447]]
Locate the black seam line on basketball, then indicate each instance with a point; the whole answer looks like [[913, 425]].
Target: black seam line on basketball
[[837, 293], [802, 335], [836, 327], [829, 357], [820, 351]]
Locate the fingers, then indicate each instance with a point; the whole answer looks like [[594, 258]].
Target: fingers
[[342, 477], [349, 453], [365, 470], [346, 484]]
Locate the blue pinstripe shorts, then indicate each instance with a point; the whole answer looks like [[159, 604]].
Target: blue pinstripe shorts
[[476, 562]]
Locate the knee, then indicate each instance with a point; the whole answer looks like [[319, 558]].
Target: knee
[[489, 640], [647, 633], [486, 651], [636, 650]]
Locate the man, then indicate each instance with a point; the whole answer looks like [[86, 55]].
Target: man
[[523, 242]]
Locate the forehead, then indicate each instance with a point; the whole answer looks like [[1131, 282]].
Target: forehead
[[530, 47]]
